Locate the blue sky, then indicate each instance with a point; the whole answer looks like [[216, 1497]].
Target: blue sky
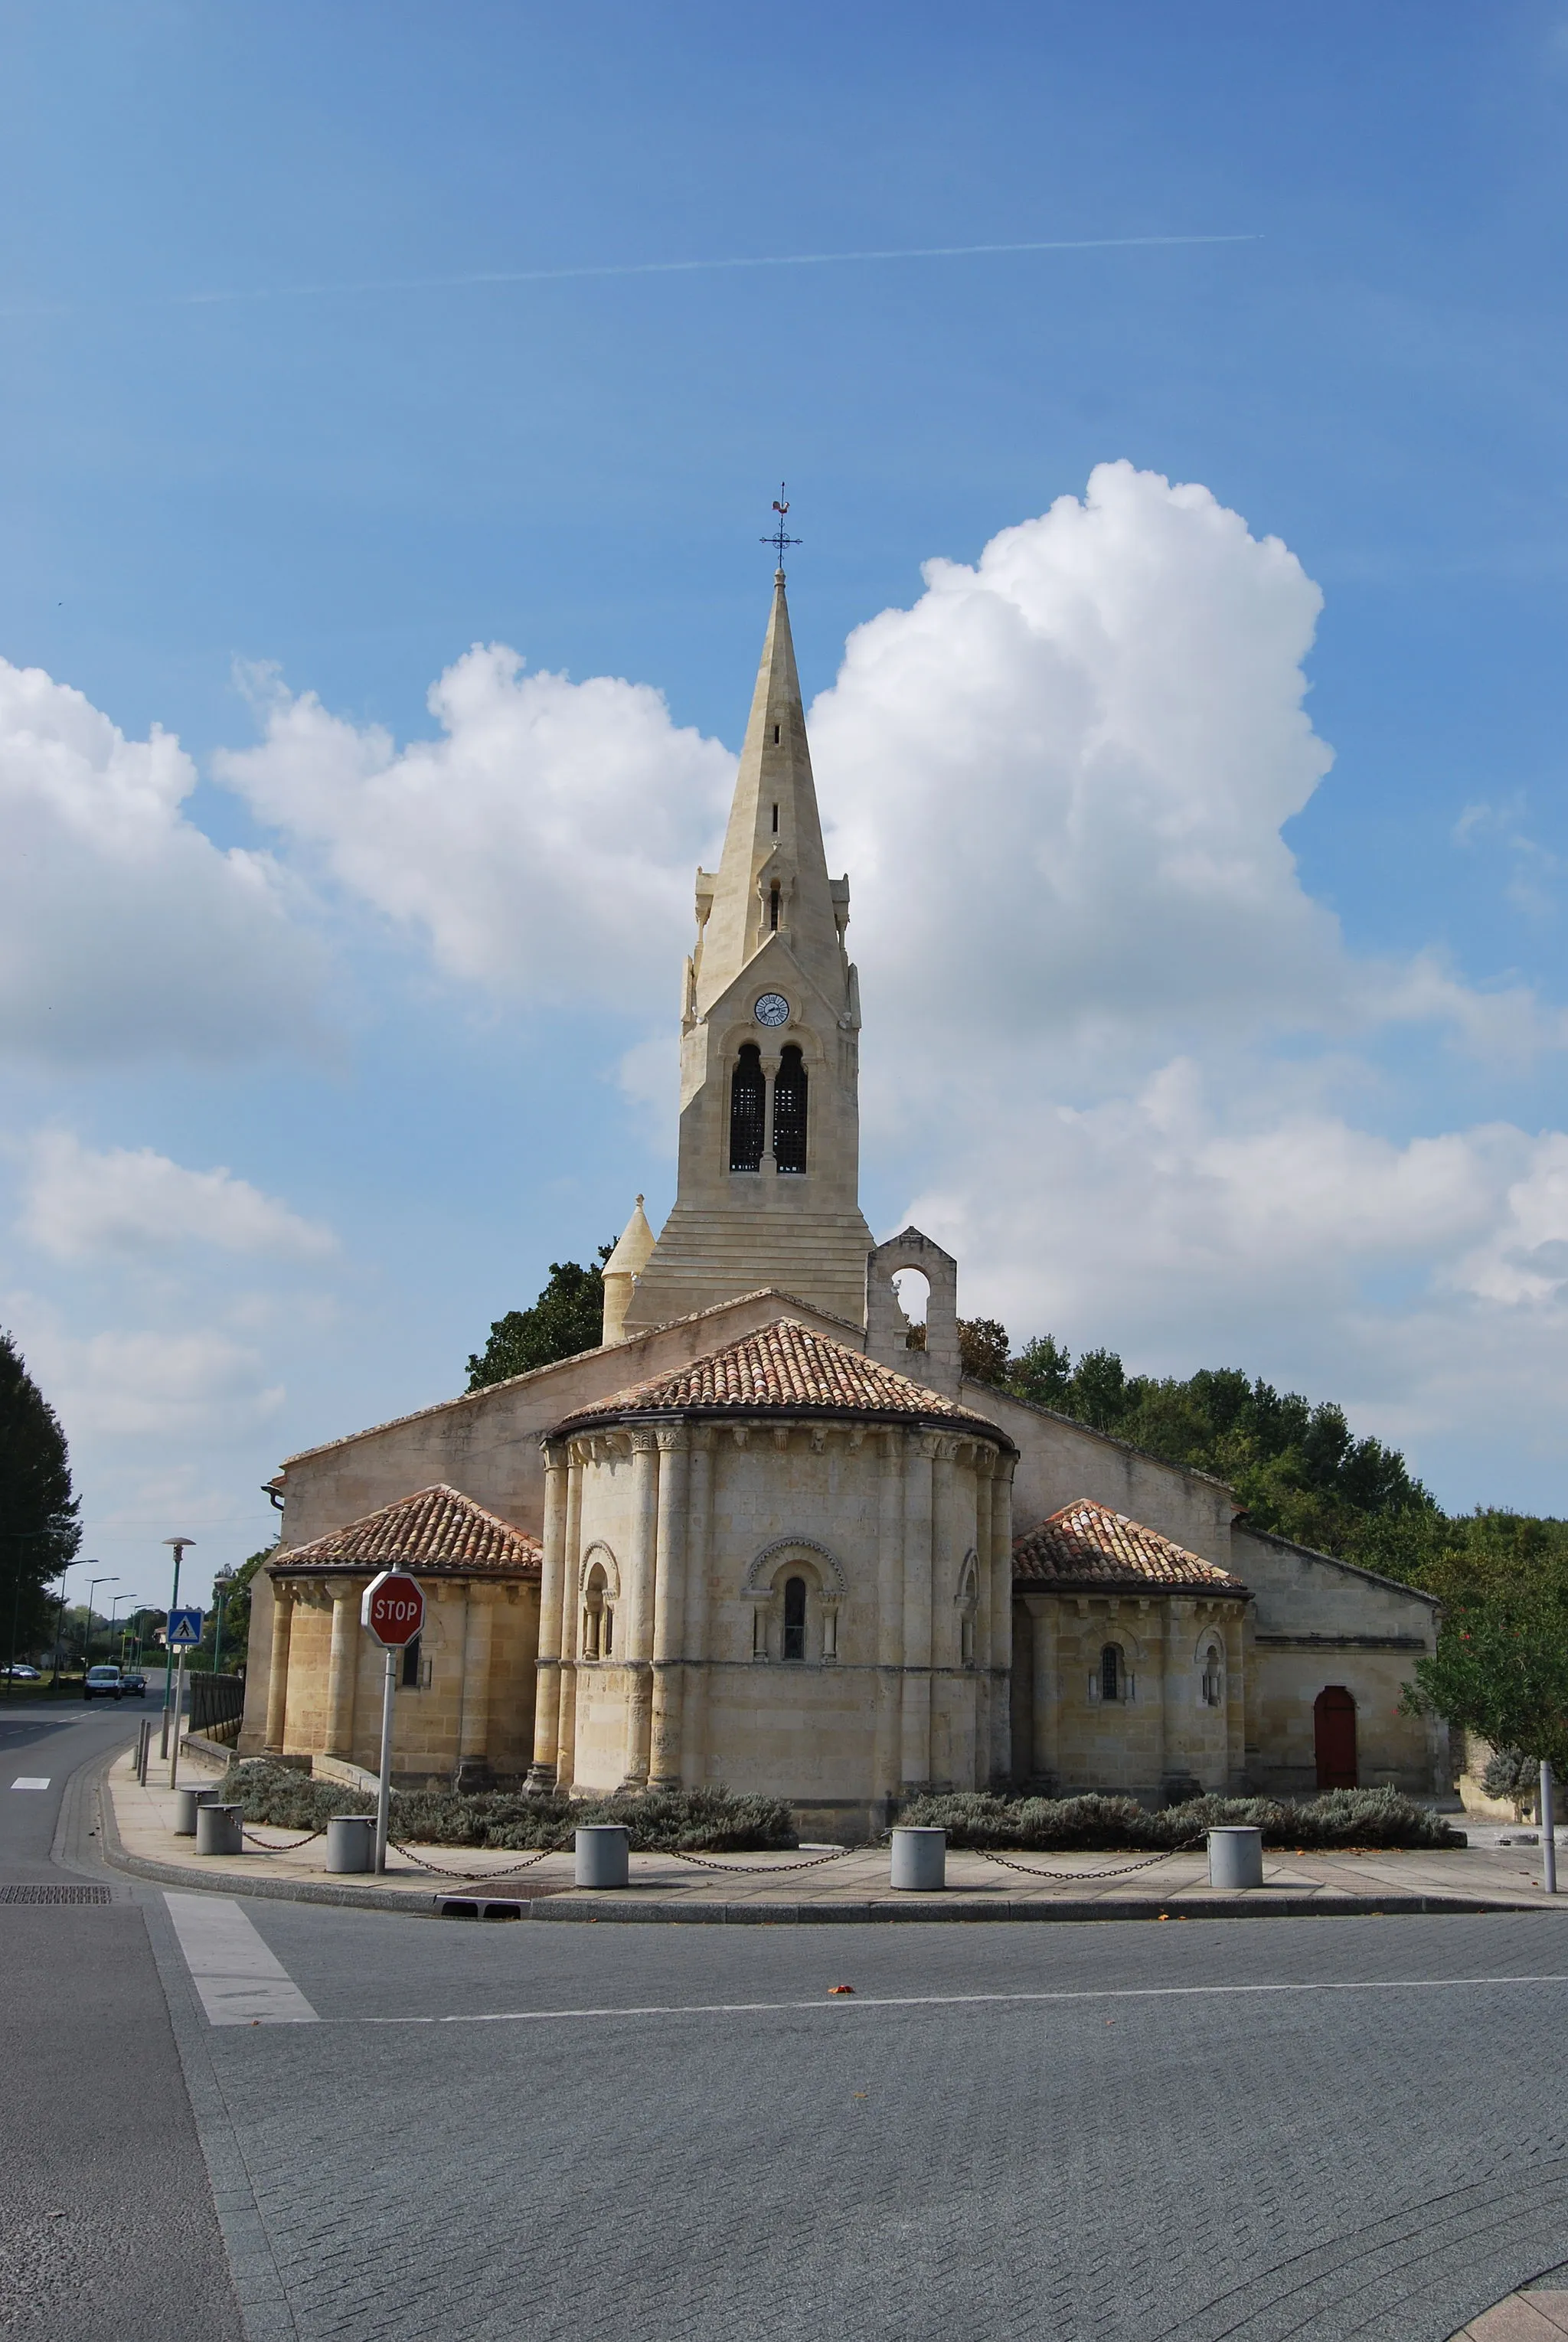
[[255, 422]]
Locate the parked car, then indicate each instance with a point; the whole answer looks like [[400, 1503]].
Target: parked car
[[101, 1683], [21, 1674], [134, 1685]]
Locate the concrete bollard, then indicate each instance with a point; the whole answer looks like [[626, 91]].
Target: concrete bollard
[[603, 1855], [919, 1860], [1236, 1857], [350, 1841], [187, 1801], [219, 1828]]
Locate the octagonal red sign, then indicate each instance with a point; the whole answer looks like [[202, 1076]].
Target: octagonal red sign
[[392, 1608]]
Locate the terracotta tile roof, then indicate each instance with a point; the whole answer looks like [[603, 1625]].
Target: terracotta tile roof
[[1084, 1544], [436, 1532], [788, 1366]]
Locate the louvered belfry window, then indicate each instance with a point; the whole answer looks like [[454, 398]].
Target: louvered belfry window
[[746, 1101], [789, 1113]]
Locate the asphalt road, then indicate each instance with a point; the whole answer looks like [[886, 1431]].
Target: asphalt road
[[107, 2223], [1222, 2131]]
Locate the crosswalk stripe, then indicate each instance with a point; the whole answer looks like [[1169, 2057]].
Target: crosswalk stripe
[[240, 1981]]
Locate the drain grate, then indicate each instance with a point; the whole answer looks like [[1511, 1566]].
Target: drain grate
[[54, 1894]]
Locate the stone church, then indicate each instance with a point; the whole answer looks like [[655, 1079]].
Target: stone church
[[768, 1534]]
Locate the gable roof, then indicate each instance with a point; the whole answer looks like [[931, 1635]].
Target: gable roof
[[437, 1533], [786, 1365], [1085, 1545]]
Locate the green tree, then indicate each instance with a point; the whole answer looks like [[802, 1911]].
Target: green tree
[[39, 1531], [983, 1349], [1501, 1669], [1041, 1373], [568, 1317]]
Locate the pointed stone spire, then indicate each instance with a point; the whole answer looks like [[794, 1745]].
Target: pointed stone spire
[[621, 1270], [773, 875], [770, 1050]]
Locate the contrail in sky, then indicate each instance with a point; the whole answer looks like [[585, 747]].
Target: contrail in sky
[[637, 268]]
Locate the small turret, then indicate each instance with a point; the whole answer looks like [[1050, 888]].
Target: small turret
[[621, 1270]]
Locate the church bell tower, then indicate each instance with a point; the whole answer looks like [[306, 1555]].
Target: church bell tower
[[768, 1188]]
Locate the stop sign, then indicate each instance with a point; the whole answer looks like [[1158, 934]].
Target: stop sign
[[392, 1608]]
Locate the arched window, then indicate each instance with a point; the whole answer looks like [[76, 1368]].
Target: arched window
[[1213, 1678], [774, 893], [747, 1110], [1111, 1672], [789, 1112], [596, 1614], [794, 1618]]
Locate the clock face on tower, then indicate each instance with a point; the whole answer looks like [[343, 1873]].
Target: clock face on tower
[[773, 1008]]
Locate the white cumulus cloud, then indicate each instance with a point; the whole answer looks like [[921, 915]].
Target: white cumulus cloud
[[124, 931], [544, 845], [77, 1202]]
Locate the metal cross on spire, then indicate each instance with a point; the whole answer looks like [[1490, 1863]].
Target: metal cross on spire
[[778, 537]]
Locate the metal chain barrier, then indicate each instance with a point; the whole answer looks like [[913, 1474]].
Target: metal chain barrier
[[1120, 1870], [482, 1876], [762, 1869], [262, 1846]]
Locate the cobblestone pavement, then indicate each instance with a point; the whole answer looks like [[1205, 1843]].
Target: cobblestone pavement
[[713, 2147]]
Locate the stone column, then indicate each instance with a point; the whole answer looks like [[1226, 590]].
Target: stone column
[[1001, 1655], [1235, 1699], [988, 1687], [919, 1455], [277, 1671], [553, 1599], [343, 1666], [1175, 1688], [473, 1737], [571, 1620], [1046, 1751], [889, 1611], [699, 1521], [669, 1607], [637, 1646]]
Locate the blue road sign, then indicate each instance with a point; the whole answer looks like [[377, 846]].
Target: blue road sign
[[185, 1629]]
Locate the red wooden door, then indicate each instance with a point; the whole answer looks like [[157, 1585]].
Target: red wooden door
[[1334, 1734]]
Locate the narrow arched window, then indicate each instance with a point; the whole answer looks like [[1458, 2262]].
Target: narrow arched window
[[794, 1618], [789, 1112], [774, 907], [747, 1110], [595, 1616], [1110, 1672], [1214, 1679]]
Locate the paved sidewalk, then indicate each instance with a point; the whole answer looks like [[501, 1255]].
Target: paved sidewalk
[[799, 1887], [1522, 2317]]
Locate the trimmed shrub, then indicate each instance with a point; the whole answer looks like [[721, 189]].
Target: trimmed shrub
[[1339, 1817], [688, 1821], [1513, 1775]]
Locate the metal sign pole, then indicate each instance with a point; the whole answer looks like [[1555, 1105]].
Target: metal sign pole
[[179, 1702], [1548, 1830], [384, 1790]]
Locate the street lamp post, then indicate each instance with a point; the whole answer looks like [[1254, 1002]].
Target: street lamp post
[[179, 1544], [222, 1581], [90, 1563], [113, 1579]]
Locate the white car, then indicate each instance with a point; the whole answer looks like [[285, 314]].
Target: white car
[[102, 1683]]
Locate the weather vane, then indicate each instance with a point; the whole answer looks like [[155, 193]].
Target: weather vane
[[778, 537]]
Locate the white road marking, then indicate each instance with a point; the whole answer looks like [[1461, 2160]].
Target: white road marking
[[241, 1982], [950, 2000], [31, 1781]]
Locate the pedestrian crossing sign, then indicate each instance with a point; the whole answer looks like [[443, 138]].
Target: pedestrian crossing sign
[[185, 1629]]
